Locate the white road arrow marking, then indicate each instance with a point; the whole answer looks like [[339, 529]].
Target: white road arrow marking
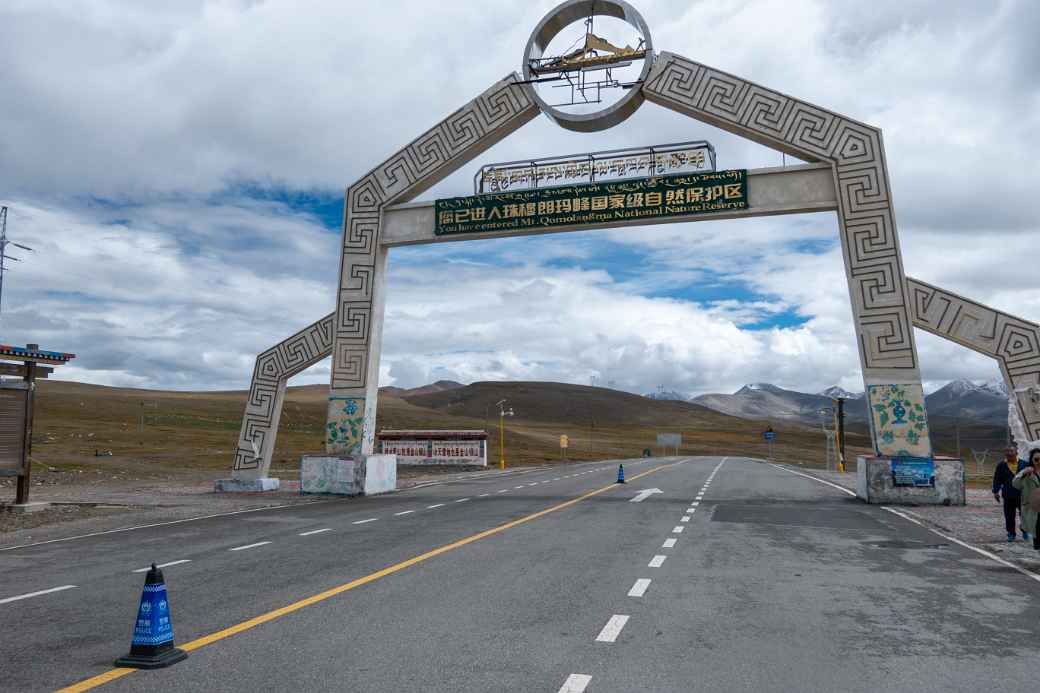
[[644, 494]]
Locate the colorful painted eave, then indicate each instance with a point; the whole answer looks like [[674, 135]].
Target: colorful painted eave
[[38, 355], [432, 435]]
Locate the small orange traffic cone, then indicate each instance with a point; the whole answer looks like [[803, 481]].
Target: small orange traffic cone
[[152, 644]]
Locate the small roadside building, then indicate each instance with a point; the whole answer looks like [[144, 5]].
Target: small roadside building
[[435, 447]]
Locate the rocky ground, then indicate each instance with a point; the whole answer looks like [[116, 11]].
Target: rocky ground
[[87, 504]]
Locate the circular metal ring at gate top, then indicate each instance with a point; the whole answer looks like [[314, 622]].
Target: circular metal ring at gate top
[[596, 54]]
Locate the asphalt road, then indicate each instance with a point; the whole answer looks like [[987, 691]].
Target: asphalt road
[[737, 576]]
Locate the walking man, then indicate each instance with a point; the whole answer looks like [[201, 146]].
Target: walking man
[[1011, 496], [1028, 482]]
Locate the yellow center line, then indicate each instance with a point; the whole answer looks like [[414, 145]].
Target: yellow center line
[[119, 672]]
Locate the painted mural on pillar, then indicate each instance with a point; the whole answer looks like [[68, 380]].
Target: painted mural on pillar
[[345, 428], [900, 422]]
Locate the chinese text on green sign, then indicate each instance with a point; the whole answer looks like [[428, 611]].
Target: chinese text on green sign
[[599, 203]]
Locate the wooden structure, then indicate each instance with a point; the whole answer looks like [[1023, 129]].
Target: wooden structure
[[16, 407]]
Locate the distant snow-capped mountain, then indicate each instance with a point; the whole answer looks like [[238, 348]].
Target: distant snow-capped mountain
[[767, 401], [835, 392], [964, 400]]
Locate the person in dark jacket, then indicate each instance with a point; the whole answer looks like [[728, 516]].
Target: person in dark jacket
[[1004, 491]]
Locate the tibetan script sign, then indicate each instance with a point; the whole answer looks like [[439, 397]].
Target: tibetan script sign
[[599, 203], [600, 167]]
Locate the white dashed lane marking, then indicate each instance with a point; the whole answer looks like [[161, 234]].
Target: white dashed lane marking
[[462, 500], [656, 562], [404, 512], [639, 588], [362, 522], [684, 518], [313, 531], [250, 546], [36, 594], [668, 543], [677, 529], [167, 565], [612, 630], [575, 683], [435, 505]]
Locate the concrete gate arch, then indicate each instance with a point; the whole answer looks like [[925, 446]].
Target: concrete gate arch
[[847, 174]]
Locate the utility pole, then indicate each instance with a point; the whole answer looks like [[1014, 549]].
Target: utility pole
[[502, 414], [3, 251], [841, 433]]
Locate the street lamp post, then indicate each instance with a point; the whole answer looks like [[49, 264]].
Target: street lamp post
[[502, 414]]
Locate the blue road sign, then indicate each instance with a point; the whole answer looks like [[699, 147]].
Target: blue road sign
[[769, 435]]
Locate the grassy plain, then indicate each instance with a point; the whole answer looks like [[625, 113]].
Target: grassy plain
[[168, 435]]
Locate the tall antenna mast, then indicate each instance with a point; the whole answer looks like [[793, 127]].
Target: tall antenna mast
[[4, 242]]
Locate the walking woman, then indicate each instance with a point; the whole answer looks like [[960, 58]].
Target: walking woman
[[1028, 482]]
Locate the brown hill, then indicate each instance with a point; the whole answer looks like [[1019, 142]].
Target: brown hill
[[563, 403], [168, 434]]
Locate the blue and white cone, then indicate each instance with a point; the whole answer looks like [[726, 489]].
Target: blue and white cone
[[621, 473], [152, 644]]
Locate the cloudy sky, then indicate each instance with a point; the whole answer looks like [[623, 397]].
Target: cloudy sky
[[180, 169]]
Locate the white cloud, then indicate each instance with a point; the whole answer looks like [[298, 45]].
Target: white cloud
[[160, 108]]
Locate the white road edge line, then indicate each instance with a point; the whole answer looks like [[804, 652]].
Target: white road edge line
[[575, 683], [908, 518], [313, 531], [161, 524], [36, 594], [250, 546], [639, 588], [162, 565], [361, 522], [668, 543], [814, 478], [981, 552], [612, 630], [657, 561]]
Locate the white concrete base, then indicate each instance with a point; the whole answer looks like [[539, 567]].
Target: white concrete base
[[348, 476], [31, 507], [874, 483], [246, 485]]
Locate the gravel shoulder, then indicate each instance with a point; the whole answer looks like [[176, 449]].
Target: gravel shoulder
[[80, 508]]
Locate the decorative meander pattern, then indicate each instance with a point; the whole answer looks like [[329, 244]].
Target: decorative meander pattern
[[273, 368], [346, 334], [1013, 342], [869, 240], [433, 155]]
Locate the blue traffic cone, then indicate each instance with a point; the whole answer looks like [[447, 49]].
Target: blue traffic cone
[[152, 645], [621, 473]]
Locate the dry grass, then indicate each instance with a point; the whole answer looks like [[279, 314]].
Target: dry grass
[[193, 434]]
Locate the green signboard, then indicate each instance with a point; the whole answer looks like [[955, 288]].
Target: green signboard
[[599, 203]]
